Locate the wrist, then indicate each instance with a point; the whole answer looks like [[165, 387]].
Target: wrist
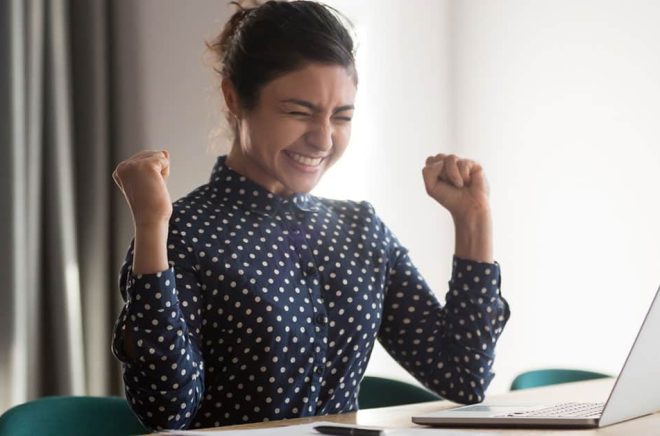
[[474, 240], [151, 227], [150, 220], [150, 249], [475, 216]]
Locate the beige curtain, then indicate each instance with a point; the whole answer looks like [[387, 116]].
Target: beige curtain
[[57, 260]]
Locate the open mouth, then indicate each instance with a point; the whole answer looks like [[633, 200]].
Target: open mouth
[[307, 161]]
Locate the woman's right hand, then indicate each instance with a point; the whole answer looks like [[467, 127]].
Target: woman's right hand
[[141, 179]]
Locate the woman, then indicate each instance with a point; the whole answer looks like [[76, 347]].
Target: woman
[[250, 299]]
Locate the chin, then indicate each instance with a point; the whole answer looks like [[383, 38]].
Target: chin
[[302, 186], [302, 189]]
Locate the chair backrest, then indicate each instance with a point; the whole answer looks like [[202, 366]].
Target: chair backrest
[[71, 416], [552, 376], [384, 392]]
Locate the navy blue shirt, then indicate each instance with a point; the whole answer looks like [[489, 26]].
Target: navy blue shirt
[[271, 307]]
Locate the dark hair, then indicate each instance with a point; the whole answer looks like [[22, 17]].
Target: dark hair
[[259, 44]]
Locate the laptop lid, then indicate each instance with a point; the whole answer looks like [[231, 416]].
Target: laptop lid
[[636, 391]]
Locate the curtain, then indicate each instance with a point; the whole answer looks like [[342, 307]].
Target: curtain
[[58, 297]]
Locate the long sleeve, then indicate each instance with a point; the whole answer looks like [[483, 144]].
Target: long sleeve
[[157, 337], [450, 348], [272, 305]]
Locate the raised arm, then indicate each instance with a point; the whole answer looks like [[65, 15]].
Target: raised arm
[[449, 348], [157, 336]]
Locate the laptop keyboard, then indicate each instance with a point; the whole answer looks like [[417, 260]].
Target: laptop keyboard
[[567, 410]]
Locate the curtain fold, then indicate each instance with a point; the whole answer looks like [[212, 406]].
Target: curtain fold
[[58, 286], [93, 163], [33, 168], [61, 228], [15, 261]]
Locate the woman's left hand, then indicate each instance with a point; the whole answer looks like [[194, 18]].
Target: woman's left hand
[[457, 184]]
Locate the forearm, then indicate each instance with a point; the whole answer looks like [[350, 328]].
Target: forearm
[[459, 338], [150, 251], [474, 237], [161, 353], [162, 409]]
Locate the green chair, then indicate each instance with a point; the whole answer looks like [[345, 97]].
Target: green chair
[[71, 416], [544, 377], [384, 392]]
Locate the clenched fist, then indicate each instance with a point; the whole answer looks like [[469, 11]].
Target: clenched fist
[[141, 179], [457, 184]]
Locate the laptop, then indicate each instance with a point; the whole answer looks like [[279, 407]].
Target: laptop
[[635, 393]]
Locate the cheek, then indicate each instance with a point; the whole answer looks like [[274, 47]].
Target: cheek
[[291, 131], [271, 133], [343, 138], [341, 143], [280, 133]]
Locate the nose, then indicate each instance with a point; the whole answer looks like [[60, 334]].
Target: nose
[[321, 135]]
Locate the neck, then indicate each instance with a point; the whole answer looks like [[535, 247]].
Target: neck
[[242, 164]]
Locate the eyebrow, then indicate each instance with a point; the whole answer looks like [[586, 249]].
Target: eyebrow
[[315, 108]]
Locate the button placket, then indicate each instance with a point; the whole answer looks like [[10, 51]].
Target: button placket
[[320, 329]]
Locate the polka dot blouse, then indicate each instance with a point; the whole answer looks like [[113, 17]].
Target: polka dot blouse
[[271, 307]]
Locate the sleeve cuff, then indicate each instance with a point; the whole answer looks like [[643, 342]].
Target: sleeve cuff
[[481, 276], [158, 290]]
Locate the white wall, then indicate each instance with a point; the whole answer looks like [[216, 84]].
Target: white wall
[[558, 100]]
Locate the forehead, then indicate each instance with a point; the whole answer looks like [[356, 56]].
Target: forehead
[[320, 84]]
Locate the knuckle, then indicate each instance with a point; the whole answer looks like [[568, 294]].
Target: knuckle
[[121, 168], [145, 164]]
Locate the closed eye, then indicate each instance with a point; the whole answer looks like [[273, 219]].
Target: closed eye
[[306, 114]]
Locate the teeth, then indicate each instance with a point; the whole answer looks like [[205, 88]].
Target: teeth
[[312, 162]]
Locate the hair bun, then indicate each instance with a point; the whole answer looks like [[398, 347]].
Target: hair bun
[[248, 4]]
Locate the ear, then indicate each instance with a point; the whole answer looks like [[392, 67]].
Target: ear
[[231, 97]]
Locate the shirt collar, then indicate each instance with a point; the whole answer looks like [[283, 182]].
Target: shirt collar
[[237, 189]]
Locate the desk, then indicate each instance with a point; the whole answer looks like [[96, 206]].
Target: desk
[[400, 416]]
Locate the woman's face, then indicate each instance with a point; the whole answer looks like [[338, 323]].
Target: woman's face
[[299, 128]]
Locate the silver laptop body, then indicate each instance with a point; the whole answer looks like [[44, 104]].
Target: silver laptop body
[[636, 392]]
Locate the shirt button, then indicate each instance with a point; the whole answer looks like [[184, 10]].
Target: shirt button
[[320, 319], [311, 270], [318, 369]]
